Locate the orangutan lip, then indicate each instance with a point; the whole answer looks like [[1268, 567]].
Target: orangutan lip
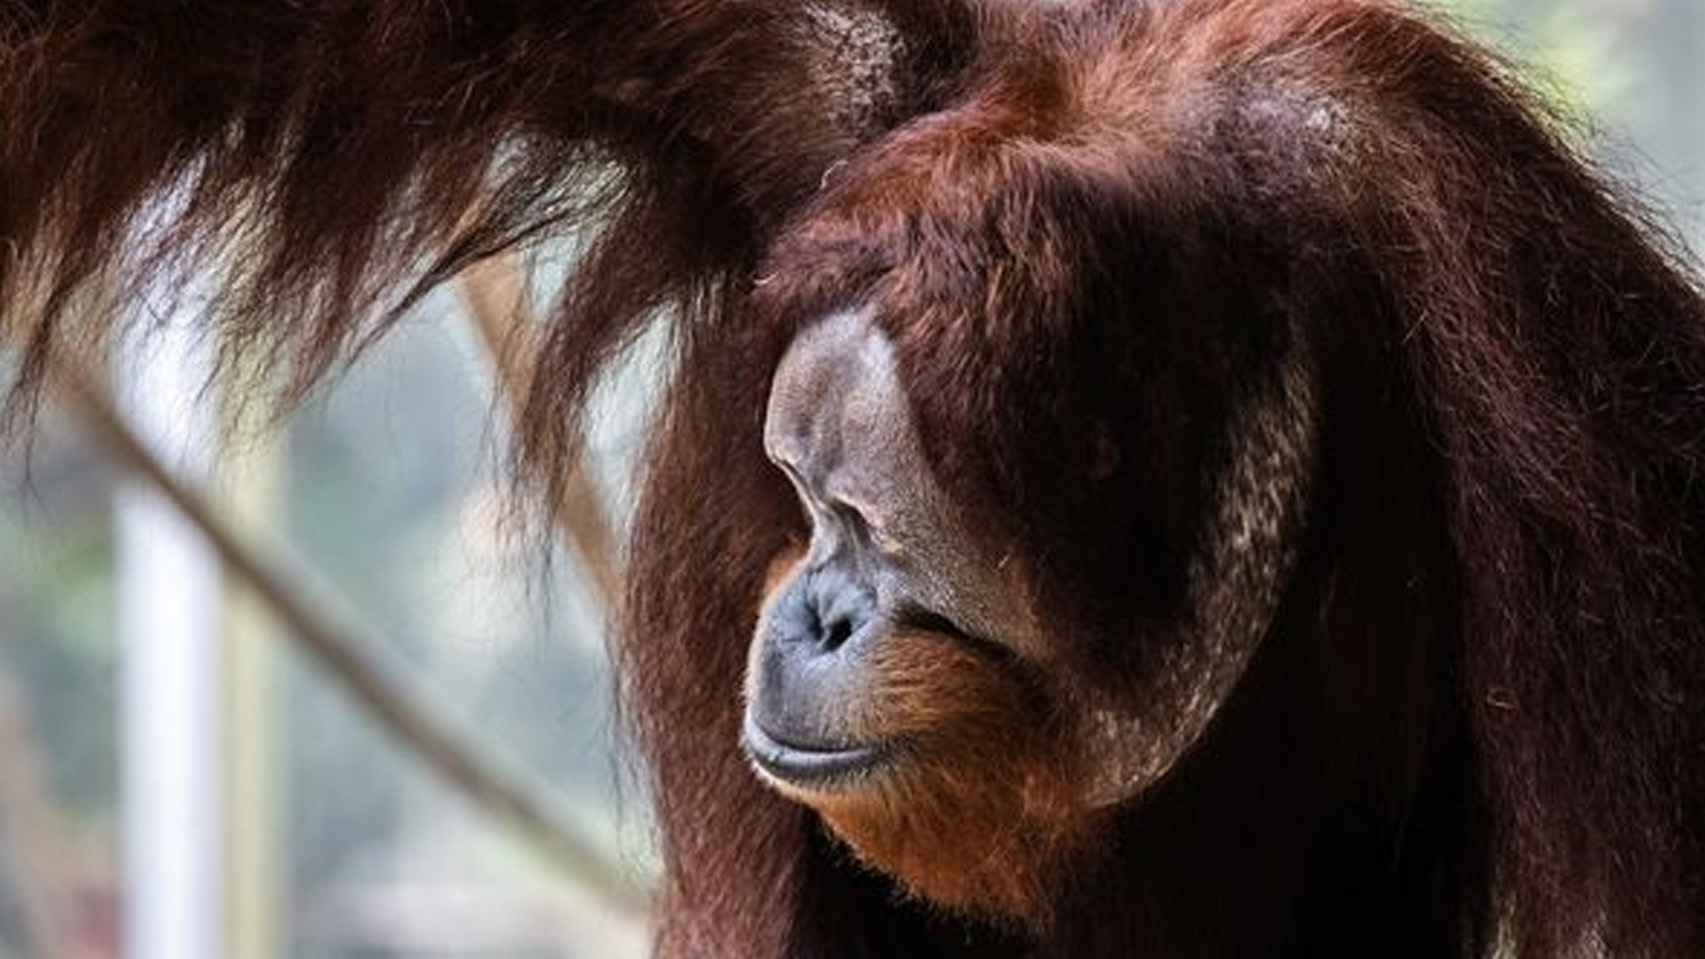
[[805, 765]]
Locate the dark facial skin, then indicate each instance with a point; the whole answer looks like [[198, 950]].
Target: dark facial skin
[[891, 676], [901, 682], [885, 552]]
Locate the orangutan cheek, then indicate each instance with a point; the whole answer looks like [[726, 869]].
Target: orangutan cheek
[[980, 796]]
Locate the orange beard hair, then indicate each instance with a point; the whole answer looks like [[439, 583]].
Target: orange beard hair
[[986, 795]]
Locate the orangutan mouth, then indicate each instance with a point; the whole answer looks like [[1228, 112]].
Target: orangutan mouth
[[819, 768]]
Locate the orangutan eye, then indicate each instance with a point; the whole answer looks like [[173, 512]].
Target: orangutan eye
[[916, 616], [885, 541], [862, 521]]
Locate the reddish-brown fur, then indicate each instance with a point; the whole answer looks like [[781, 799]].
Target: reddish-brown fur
[[1481, 711], [985, 805], [986, 797]]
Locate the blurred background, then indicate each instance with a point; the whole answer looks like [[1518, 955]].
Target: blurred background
[[402, 743]]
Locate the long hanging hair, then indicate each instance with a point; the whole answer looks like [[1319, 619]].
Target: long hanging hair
[[333, 161]]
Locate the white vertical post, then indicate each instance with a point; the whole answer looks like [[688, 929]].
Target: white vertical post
[[169, 633], [253, 846]]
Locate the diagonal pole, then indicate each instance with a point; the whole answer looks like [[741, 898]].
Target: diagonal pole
[[401, 712]]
